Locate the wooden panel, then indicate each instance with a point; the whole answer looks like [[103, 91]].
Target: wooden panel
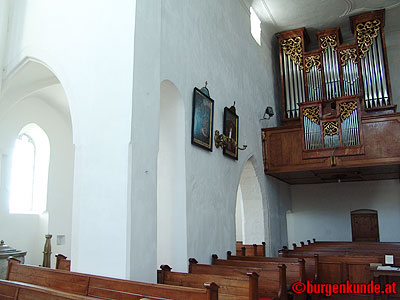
[[269, 282], [108, 288], [7, 292], [283, 155], [61, 280], [330, 272], [243, 287], [311, 263], [295, 271], [364, 227], [103, 287], [359, 273]]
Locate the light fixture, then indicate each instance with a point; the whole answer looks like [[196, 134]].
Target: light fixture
[[268, 111], [223, 141]]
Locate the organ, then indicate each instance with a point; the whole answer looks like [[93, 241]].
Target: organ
[[339, 120]]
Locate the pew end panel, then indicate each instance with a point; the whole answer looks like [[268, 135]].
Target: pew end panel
[[62, 263]]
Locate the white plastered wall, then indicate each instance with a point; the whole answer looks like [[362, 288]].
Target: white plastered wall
[[116, 138], [323, 211], [93, 59], [211, 41]]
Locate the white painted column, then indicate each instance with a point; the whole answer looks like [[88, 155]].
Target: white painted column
[[144, 142], [100, 215]]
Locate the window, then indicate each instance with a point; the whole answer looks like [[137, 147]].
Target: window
[[255, 26], [29, 171]]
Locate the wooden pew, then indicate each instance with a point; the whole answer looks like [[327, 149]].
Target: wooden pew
[[240, 250], [73, 283], [348, 247], [104, 287], [250, 250], [62, 263], [295, 271], [310, 263], [233, 287], [341, 251], [11, 290], [271, 282], [339, 269]]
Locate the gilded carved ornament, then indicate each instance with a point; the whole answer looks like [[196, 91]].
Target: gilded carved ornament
[[328, 40], [294, 49], [346, 109], [312, 113], [366, 32], [311, 61], [347, 54], [331, 128]]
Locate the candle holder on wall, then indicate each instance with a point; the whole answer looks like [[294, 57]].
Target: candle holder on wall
[[228, 140]]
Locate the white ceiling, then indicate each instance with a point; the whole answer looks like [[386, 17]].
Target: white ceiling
[[34, 80], [322, 14]]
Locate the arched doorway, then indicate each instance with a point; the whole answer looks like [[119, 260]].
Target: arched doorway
[[171, 180], [249, 207]]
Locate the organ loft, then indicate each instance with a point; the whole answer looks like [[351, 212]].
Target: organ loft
[[339, 121]]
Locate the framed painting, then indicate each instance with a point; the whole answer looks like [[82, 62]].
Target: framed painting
[[231, 130], [202, 120]]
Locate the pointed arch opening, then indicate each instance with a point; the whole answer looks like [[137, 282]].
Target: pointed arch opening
[[171, 180], [249, 207], [38, 153]]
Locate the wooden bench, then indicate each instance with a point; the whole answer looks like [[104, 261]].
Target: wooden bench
[[234, 287], [348, 247], [310, 263], [250, 250], [104, 287], [271, 282], [339, 269], [11, 290], [295, 271], [341, 251], [62, 263]]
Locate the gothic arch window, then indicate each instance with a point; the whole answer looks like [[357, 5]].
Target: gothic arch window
[[29, 171]]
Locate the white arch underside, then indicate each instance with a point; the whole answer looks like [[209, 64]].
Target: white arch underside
[[171, 181], [249, 208]]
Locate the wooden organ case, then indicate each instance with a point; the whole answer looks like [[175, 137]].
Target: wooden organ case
[[339, 121]]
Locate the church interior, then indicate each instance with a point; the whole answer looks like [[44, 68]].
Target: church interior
[[140, 139]]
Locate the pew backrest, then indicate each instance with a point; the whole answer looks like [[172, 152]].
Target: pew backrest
[[271, 282], [310, 263], [295, 271], [104, 287], [237, 286], [11, 290], [74, 283], [250, 250]]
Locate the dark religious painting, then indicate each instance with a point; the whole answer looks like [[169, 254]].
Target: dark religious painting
[[202, 123], [231, 130]]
